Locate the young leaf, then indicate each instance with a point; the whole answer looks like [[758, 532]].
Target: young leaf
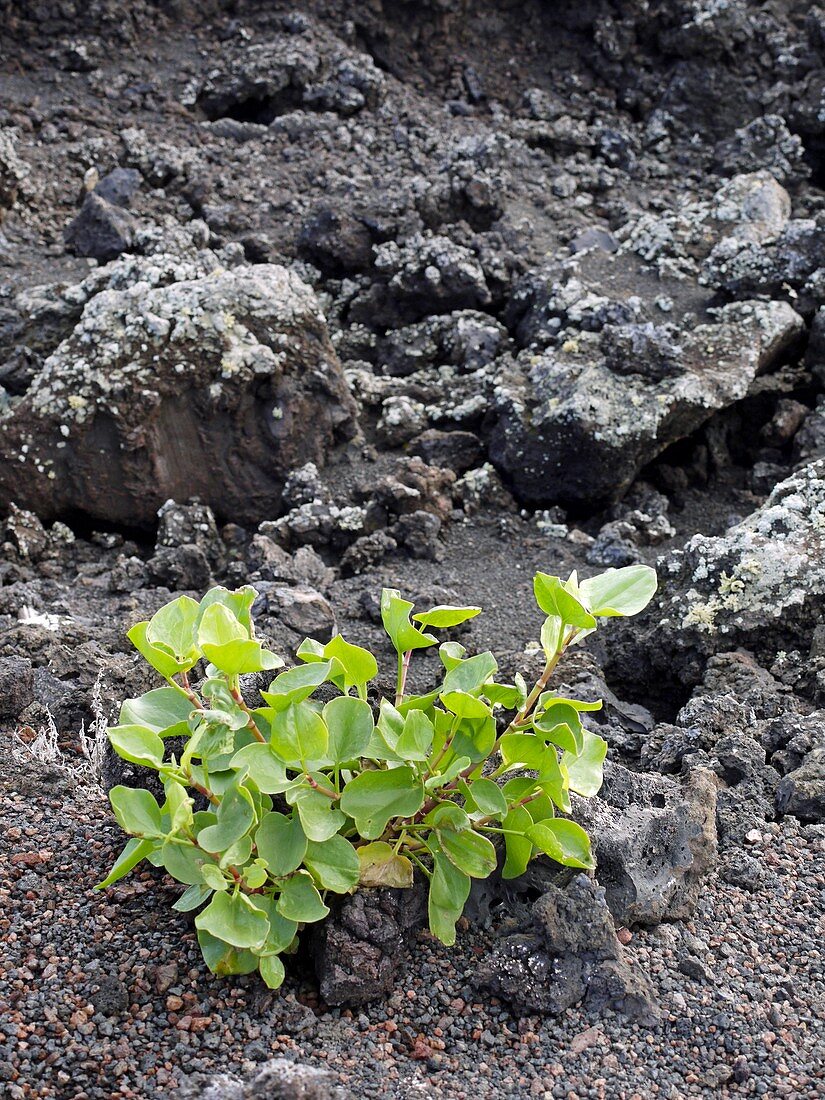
[[300, 901], [224, 642], [564, 841], [281, 933], [451, 654], [235, 815], [135, 851], [416, 737], [555, 600], [624, 591], [586, 769], [446, 775], [136, 811], [239, 603], [159, 658], [136, 744], [470, 675], [296, 684], [355, 666], [449, 890], [172, 628], [445, 616], [372, 798], [350, 725], [395, 615], [380, 866], [281, 841], [234, 919], [333, 864]]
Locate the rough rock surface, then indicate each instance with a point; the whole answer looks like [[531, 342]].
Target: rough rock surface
[[214, 386], [278, 1079], [571, 954]]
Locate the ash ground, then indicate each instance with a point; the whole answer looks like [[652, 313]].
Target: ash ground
[[431, 171]]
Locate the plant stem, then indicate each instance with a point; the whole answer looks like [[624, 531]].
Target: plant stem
[[420, 865], [236, 695], [403, 669], [316, 786]]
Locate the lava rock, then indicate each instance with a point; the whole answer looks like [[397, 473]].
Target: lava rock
[[802, 791], [101, 231], [764, 143], [654, 841], [458, 451], [179, 568], [215, 386], [16, 686], [119, 186], [367, 552], [12, 171], [277, 1079], [337, 243], [303, 610], [190, 525], [359, 947]]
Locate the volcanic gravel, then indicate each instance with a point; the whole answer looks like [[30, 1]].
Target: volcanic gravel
[[106, 996]]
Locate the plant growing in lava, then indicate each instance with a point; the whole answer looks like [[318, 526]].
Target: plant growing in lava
[[268, 810]]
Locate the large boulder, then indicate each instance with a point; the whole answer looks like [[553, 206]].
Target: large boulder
[[759, 586], [574, 425], [212, 386]]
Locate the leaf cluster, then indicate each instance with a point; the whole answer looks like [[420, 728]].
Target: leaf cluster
[[269, 810]]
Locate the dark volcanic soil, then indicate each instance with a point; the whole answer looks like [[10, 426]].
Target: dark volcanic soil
[[517, 234]]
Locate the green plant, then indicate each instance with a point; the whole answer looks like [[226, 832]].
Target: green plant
[[303, 799]]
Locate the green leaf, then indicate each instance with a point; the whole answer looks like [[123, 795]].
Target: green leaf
[[135, 852], [524, 749], [475, 738], [446, 775], [299, 734], [587, 768], [470, 675], [333, 864], [178, 806], [192, 897], [560, 723], [214, 877], [564, 841], [395, 615], [222, 958], [136, 811], [136, 744], [235, 815], [255, 875], [172, 628], [552, 635], [624, 591], [548, 699], [320, 819], [469, 851], [159, 658], [350, 725], [357, 666], [239, 603], [373, 798], [211, 739], [272, 971], [451, 654], [518, 848], [225, 642], [554, 600], [234, 919], [281, 931], [445, 616], [237, 853], [380, 866], [263, 767], [488, 797], [184, 862], [296, 684], [164, 710], [464, 705], [509, 696], [449, 890], [300, 901], [416, 737], [281, 841]]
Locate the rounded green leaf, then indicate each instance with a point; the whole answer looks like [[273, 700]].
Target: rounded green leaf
[[265, 770], [624, 591], [300, 901], [470, 675], [173, 628], [372, 798], [416, 736], [320, 819], [355, 665], [449, 890], [299, 734], [192, 898], [222, 958], [272, 971], [281, 931], [350, 725], [469, 851], [135, 852], [184, 862], [488, 797], [164, 710], [235, 815], [564, 841], [159, 658], [333, 864], [586, 770], [136, 744], [296, 684], [234, 919], [464, 705], [136, 811], [554, 600], [281, 841], [518, 849]]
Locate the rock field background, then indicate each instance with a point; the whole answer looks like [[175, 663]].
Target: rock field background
[[328, 296]]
